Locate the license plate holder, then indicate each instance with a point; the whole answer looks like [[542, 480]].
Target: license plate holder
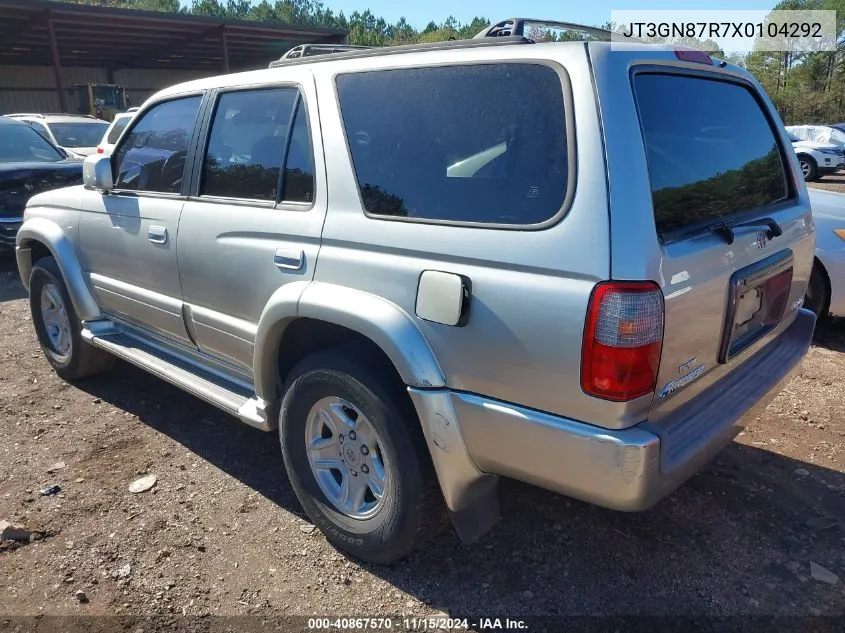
[[757, 299]]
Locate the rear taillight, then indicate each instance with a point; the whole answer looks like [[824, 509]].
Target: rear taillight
[[100, 150], [622, 340]]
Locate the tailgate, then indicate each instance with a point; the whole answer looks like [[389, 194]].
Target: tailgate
[[729, 220]]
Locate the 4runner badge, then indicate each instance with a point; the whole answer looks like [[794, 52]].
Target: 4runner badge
[[680, 383]]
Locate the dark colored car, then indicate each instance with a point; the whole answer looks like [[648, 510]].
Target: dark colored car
[[29, 164]]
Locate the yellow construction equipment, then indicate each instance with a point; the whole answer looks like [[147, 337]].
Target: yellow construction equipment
[[99, 100]]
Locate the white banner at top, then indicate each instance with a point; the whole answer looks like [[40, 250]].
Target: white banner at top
[[739, 31]]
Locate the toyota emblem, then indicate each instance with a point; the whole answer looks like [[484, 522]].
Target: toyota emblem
[[761, 240]]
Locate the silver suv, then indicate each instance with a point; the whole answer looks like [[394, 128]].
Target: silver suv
[[576, 264]]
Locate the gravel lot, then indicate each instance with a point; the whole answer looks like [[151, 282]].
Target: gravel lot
[[834, 182], [221, 532]]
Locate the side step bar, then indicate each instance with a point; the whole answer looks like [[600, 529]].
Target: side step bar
[[214, 389]]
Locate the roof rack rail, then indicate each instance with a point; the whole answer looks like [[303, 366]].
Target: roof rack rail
[[309, 50], [365, 51], [44, 115], [516, 27]]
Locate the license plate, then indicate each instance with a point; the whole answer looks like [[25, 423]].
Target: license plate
[[757, 300], [748, 306]]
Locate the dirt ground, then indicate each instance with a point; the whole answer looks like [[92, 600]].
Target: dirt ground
[[221, 532], [834, 182]]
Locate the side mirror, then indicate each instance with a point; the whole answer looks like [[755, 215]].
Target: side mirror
[[96, 173]]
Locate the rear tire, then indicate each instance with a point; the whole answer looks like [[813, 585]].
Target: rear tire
[[57, 326], [348, 416], [817, 298], [808, 167]]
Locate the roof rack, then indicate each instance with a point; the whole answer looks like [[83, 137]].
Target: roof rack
[[44, 115], [308, 50], [516, 27], [365, 51]]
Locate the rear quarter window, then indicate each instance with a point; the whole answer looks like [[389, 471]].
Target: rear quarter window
[[710, 147], [471, 144], [117, 128]]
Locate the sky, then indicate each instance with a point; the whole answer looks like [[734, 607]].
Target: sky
[[420, 12]]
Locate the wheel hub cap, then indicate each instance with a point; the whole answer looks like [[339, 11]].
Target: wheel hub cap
[[346, 457], [55, 318]]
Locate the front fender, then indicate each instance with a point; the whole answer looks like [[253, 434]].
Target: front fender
[[381, 321], [52, 236]]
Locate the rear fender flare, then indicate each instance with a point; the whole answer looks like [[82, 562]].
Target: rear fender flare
[[381, 321]]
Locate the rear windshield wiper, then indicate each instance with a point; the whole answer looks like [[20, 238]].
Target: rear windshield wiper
[[726, 229]]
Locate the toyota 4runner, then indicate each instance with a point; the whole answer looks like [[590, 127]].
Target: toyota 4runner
[[577, 264]]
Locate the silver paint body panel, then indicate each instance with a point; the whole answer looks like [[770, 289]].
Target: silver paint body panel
[[497, 395]]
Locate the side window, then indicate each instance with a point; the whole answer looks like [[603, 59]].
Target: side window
[[481, 143], [299, 168], [246, 148], [152, 156]]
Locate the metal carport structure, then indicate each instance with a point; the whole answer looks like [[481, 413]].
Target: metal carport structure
[[70, 38]]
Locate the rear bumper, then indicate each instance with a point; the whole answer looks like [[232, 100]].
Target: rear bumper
[[631, 469]]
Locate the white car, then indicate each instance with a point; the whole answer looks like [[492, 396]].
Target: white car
[[77, 134], [826, 292], [110, 138], [817, 159], [830, 134]]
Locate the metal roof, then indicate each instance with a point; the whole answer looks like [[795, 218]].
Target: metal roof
[[128, 38]]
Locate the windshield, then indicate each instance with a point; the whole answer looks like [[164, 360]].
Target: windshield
[[20, 143], [82, 134], [108, 96]]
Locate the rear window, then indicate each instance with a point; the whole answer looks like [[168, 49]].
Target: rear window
[[711, 150], [83, 134], [481, 143]]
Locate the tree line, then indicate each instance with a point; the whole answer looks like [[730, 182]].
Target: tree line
[[364, 28], [805, 87]]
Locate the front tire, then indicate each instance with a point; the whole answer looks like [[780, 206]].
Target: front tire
[[808, 167], [355, 456], [57, 326]]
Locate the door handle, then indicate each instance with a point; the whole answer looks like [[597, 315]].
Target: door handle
[[157, 234], [289, 258]]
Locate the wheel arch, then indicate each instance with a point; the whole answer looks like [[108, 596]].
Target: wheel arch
[[304, 317], [40, 237]]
